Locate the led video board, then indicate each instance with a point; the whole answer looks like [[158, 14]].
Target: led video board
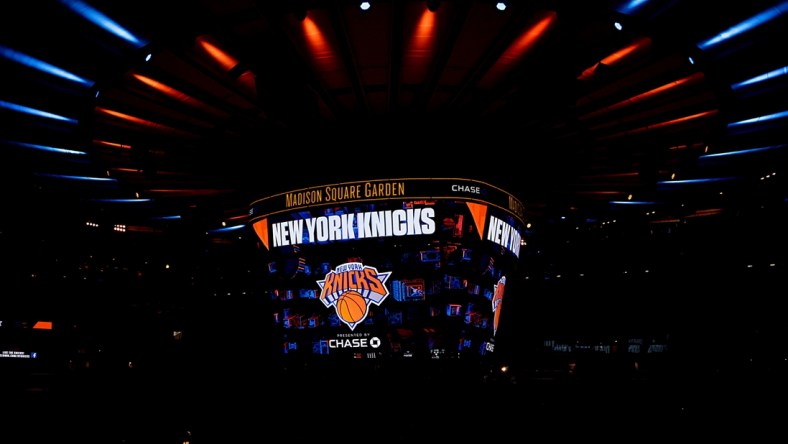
[[391, 268]]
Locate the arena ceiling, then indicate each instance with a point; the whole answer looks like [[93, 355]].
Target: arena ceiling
[[175, 116]]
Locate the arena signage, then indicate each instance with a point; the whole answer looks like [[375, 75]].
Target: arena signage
[[390, 267]]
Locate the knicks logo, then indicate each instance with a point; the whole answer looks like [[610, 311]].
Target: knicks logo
[[350, 288], [496, 301]]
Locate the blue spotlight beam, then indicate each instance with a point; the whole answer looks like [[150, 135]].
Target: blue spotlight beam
[[104, 22], [747, 25]]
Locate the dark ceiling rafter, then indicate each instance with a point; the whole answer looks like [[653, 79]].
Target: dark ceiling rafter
[[316, 85], [346, 53], [497, 48], [279, 19], [395, 54], [459, 14]]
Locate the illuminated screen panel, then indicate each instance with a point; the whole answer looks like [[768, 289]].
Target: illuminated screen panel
[[396, 268]]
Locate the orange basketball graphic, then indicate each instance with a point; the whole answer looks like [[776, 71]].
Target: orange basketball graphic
[[351, 306]]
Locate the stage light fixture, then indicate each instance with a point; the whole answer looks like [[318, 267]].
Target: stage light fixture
[[501, 5], [365, 6], [433, 5]]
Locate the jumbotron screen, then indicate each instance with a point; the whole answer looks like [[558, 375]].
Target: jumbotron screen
[[392, 268]]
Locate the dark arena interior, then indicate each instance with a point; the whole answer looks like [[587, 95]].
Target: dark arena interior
[[395, 220]]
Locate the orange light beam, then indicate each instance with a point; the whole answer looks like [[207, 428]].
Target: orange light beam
[[686, 81], [638, 45], [322, 53], [225, 60], [512, 55]]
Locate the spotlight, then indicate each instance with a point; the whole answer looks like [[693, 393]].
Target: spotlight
[[433, 5], [364, 6], [501, 5]]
